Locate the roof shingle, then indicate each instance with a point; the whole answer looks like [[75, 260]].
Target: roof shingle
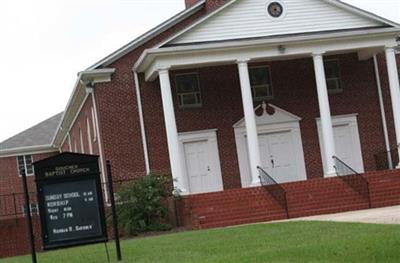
[[39, 135]]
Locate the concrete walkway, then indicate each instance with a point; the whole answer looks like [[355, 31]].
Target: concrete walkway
[[386, 215]]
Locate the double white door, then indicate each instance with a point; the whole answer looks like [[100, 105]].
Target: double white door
[[278, 156]]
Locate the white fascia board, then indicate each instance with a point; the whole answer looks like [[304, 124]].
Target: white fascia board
[[361, 12], [30, 150], [150, 59], [69, 103], [343, 116], [339, 4], [64, 132], [148, 35], [183, 31], [97, 75], [97, 72], [78, 97]]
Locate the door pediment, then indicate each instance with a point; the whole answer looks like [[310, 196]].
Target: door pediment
[[270, 114]]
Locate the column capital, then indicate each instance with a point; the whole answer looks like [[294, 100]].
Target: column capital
[[390, 49], [242, 61], [162, 70], [318, 54]]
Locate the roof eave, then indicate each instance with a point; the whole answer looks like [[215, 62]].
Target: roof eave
[[78, 97], [149, 55], [28, 149], [148, 35]]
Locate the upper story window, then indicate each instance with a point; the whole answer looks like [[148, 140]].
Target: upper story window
[[188, 90], [332, 74], [34, 209], [25, 163], [261, 85]]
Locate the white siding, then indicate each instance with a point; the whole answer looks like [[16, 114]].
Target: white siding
[[249, 19]]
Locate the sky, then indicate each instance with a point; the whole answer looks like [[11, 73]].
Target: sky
[[45, 43]]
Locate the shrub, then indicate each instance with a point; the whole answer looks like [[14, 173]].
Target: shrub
[[142, 206]]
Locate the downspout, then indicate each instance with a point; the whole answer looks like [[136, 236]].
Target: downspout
[[103, 168], [383, 115], [141, 120]]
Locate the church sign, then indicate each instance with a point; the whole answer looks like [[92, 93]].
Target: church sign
[[70, 200]]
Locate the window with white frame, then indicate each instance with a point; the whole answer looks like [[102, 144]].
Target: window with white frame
[[82, 148], [332, 74], [25, 163], [261, 84], [188, 90], [94, 125], [69, 142], [89, 136], [75, 146], [34, 209]]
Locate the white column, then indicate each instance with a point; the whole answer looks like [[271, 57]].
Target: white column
[[394, 91], [325, 112], [250, 120], [172, 132]]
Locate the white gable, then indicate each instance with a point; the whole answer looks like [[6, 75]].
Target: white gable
[[277, 116], [249, 19]]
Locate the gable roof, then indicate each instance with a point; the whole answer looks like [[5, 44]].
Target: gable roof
[[40, 135], [240, 19], [148, 35]]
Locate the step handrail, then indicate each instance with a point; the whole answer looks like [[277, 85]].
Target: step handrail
[[352, 174], [271, 185]]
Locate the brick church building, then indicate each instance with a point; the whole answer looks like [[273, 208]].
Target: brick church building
[[231, 97]]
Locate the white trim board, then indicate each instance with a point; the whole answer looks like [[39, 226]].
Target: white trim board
[[341, 7], [209, 136], [148, 35], [281, 121], [185, 57], [349, 120], [29, 152]]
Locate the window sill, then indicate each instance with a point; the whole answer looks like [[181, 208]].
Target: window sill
[[190, 107], [261, 99], [335, 92]]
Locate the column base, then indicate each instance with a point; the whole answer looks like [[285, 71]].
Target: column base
[[330, 174], [253, 184]]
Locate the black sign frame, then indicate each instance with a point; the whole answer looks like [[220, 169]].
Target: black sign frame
[[87, 169]]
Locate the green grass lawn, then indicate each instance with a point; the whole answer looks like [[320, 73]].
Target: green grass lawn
[[279, 242]]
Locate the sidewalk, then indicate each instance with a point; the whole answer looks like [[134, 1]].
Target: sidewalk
[[386, 215]]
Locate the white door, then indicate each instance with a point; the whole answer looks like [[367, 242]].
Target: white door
[[265, 153], [201, 173], [278, 156], [347, 141], [343, 144]]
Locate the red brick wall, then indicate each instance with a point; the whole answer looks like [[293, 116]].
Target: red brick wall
[[189, 3], [10, 181], [15, 239], [386, 96], [81, 124], [210, 4], [12, 226], [294, 91], [313, 197], [118, 113], [118, 108]]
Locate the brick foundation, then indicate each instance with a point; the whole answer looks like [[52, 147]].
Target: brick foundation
[[312, 197], [15, 239]]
